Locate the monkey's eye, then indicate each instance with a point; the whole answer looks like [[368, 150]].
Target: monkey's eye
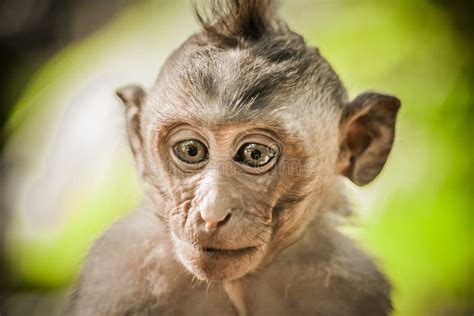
[[190, 151], [256, 155]]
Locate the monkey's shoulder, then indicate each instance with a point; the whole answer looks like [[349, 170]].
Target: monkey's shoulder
[[127, 244], [330, 275], [129, 269]]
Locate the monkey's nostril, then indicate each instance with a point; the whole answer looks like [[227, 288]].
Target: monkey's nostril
[[212, 223], [225, 220]]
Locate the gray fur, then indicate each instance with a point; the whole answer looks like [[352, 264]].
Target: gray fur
[[245, 76]]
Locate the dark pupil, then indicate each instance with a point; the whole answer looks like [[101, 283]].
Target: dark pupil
[[192, 150], [256, 154]]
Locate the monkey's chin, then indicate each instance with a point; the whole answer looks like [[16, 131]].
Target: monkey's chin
[[212, 264]]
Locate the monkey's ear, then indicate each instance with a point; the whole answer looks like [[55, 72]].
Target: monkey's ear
[[132, 97], [367, 133]]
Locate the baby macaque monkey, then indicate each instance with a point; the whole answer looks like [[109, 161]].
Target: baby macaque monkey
[[242, 144]]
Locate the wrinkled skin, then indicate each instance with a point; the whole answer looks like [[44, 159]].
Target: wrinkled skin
[[242, 203], [219, 236]]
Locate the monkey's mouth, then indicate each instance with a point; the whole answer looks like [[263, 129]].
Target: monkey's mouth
[[218, 262], [226, 252]]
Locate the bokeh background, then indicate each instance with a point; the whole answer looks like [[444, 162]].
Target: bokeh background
[[67, 172]]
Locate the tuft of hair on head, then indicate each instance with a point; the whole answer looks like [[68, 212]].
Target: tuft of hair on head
[[231, 21]]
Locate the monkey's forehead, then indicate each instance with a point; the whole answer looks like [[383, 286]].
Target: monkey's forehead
[[255, 76], [285, 121]]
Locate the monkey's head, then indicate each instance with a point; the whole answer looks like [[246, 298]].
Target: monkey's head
[[243, 135]]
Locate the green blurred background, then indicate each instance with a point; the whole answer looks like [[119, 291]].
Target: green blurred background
[[67, 173]]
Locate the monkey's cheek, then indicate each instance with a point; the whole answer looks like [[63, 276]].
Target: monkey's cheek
[[219, 266]]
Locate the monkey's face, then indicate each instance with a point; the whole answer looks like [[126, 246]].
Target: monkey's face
[[226, 183], [230, 140], [243, 145]]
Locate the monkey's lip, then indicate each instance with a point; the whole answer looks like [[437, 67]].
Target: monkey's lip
[[226, 252], [213, 252]]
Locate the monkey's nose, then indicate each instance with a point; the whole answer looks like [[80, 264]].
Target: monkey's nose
[[213, 220]]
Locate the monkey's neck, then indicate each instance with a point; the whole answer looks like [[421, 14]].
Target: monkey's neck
[[235, 291]]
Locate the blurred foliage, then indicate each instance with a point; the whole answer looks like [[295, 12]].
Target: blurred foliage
[[416, 218]]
